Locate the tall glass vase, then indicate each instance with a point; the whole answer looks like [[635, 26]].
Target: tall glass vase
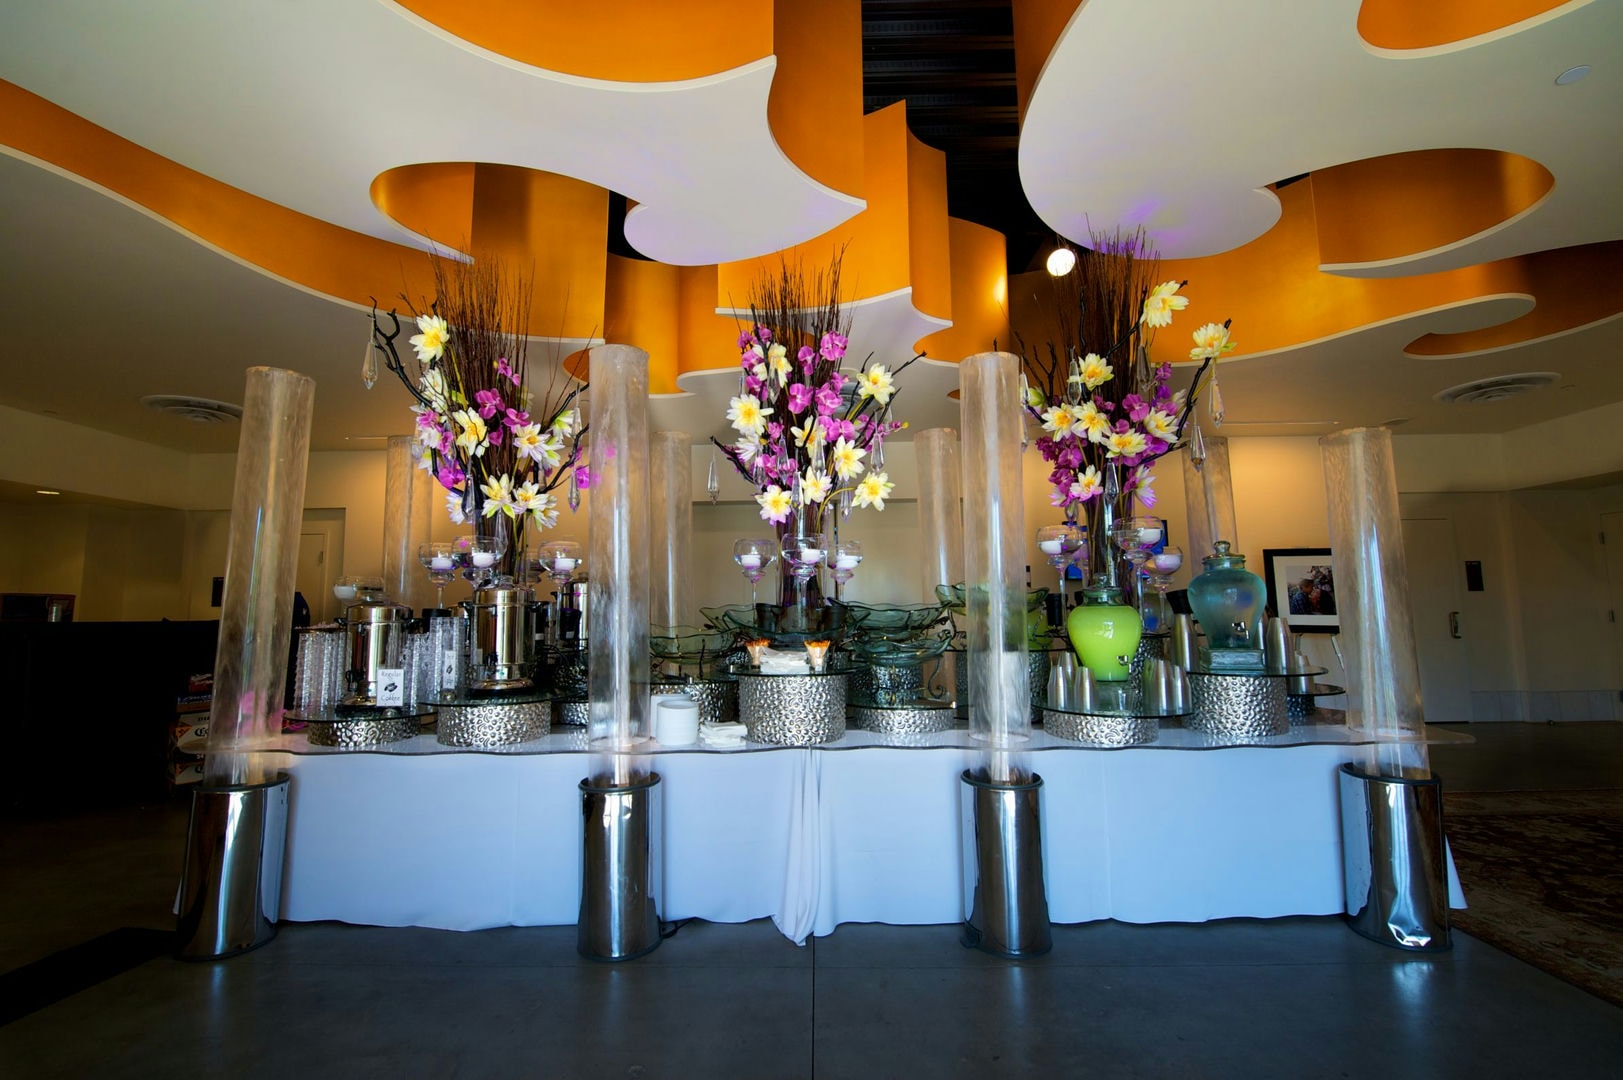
[[801, 604], [1104, 556]]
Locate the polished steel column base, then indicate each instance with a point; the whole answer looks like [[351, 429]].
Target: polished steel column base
[[1004, 891], [622, 869], [1394, 858], [231, 884]]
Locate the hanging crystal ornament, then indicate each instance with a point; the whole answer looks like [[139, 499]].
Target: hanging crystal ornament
[[1215, 400], [574, 491], [1197, 446], [1074, 386], [369, 363], [712, 483], [879, 454]]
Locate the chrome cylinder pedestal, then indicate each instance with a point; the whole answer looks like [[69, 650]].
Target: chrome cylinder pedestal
[[1394, 858], [1004, 891], [622, 869], [231, 885]]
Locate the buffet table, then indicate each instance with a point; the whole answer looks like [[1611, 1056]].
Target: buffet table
[[866, 829]]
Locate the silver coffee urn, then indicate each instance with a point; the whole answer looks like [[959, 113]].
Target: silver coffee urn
[[376, 629], [503, 645]]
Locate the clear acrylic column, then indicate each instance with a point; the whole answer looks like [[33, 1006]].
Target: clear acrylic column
[[1208, 489], [672, 578], [1005, 903], [621, 872], [941, 515], [408, 494], [1391, 807], [231, 884]]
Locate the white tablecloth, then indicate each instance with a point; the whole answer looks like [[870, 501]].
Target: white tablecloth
[[814, 837]]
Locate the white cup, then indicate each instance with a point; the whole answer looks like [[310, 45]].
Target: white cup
[[678, 721]]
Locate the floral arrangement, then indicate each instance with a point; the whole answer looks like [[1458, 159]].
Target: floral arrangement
[[1110, 408], [809, 435], [497, 448]]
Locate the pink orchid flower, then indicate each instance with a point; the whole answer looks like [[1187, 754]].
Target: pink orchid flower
[[800, 398]]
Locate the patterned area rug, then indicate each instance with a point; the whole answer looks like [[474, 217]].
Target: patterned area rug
[[1543, 873]]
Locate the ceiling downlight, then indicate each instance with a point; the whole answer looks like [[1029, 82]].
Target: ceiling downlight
[[1496, 388]]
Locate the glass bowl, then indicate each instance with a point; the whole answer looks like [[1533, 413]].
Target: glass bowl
[[894, 621], [782, 626]]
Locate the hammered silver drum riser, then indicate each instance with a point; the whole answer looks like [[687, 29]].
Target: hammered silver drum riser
[[1150, 647], [493, 723], [792, 710], [1100, 729], [1238, 706], [718, 699], [884, 684], [362, 734], [576, 712], [885, 721]]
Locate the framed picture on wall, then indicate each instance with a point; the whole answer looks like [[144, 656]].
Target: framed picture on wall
[[1302, 588]]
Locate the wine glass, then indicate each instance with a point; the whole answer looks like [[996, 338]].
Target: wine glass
[[476, 556], [558, 560], [847, 557], [1161, 566], [806, 554], [1060, 543], [358, 588], [753, 558], [439, 559], [1135, 536]]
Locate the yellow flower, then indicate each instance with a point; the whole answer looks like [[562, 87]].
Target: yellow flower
[[1161, 425], [778, 357], [1162, 302], [1211, 341], [1088, 484], [498, 495], [810, 434], [1058, 419], [873, 491], [430, 344], [473, 436], [748, 446], [528, 498], [541, 449], [814, 487], [1124, 443], [1095, 372], [876, 383], [1092, 421], [847, 459], [434, 387], [747, 415], [564, 423], [1034, 397], [775, 504]]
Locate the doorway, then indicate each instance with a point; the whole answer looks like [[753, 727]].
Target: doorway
[[1441, 646]]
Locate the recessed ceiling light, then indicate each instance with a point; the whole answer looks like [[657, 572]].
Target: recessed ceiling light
[[1061, 261], [1572, 75], [45, 491]]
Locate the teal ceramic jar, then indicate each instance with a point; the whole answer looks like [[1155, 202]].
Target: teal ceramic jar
[[1227, 601]]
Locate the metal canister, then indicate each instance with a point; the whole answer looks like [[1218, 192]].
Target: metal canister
[[376, 631], [503, 645]]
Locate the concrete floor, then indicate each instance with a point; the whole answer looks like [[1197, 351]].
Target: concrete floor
[[1297, 997]]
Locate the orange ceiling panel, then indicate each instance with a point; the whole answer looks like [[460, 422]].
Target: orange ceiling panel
[[1387, 209], [307, 251], [980, 295], [1572, 287], [1038, 25], [1407, 24]]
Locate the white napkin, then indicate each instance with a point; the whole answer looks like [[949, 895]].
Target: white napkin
[[781, 662], [712, 734]]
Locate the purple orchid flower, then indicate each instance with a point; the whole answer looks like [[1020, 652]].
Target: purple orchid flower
[[763, 334], [1136, 407], [490, 403], [504, 369], [752, 385], [800, 398], [583, 476], [516, 419], [828, 400]]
